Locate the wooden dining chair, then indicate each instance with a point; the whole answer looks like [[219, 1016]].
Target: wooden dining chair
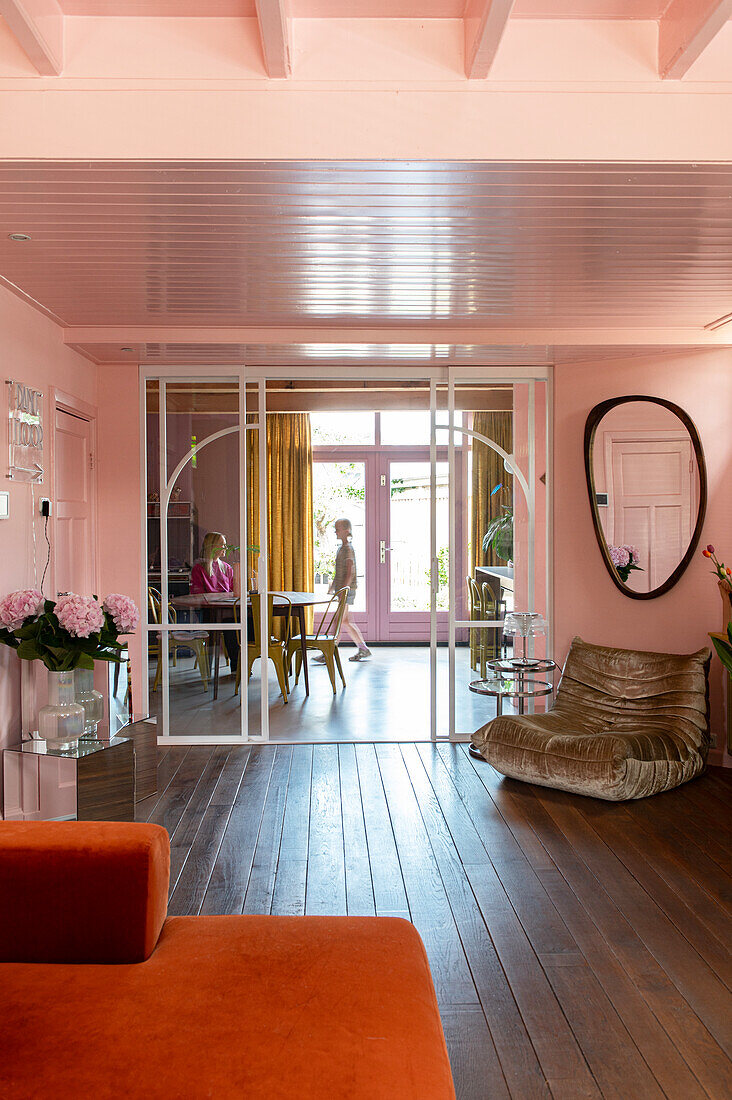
[[277, 648], [325, 639], [195, 640]]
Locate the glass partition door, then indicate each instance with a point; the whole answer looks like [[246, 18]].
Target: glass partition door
[[444, 501]]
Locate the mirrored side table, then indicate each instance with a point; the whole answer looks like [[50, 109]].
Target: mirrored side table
[[93, 780], [514, 679]]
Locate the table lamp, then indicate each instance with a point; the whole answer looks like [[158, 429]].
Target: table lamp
[[524, 624]]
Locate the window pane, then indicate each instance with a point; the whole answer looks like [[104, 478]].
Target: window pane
[[341, 428], [411, 428], [339, 492]]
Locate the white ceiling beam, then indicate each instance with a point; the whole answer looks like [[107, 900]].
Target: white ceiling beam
[[485, 21], [275, 29], [38, 26], [684, 32], [426, 333]]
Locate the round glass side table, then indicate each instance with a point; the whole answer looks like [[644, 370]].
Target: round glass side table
[[513, 678]]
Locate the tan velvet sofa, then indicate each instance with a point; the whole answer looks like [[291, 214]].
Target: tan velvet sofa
[[624, 724]]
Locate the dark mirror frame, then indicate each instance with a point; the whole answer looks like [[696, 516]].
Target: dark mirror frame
[[593, 421]]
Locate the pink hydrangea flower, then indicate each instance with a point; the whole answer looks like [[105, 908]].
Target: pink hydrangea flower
[[123, 612], [79, 615], [18, 606], [619, 556]]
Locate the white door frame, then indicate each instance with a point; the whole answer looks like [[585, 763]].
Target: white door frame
[[436, 376]]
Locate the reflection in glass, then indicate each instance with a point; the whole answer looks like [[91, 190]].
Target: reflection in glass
[[647, 491]]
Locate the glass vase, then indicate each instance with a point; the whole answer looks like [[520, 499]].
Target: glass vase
[[91, 700], [61, 721]]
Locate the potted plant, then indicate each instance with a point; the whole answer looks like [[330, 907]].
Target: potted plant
[[499, 536], [68, 634]]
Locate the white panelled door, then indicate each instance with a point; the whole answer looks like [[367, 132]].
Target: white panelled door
[[73, 526], [653, 504]]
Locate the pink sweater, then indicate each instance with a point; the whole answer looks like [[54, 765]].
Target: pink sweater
[[221, 579]]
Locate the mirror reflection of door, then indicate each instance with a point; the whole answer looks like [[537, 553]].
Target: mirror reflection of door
[[652, 505], [74, 552], [647, 485]]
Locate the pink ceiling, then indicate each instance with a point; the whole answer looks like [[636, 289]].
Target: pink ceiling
[[384, 243], [374, 9], [298, 354], [234, 8]]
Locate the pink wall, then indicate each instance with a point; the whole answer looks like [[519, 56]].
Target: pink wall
[[585, 600], [118, 486], [33, 352]]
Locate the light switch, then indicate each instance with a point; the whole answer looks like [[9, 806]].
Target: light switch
[[4, 505]]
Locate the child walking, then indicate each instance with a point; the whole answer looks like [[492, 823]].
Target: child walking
[[345, 574]]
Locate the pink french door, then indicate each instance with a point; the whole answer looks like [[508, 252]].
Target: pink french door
[[402, 547], [385, 493]]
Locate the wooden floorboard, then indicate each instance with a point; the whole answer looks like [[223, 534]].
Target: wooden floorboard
[[579, 948]]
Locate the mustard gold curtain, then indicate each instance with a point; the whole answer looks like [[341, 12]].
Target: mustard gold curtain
[[290, 504], [488, 471]]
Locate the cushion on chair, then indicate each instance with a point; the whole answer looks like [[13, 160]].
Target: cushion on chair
[[625, 724], [81, 891], [268, 1008]]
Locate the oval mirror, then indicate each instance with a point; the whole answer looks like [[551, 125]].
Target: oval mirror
[[648, 491]]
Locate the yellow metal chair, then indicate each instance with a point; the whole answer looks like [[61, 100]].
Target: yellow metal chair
[[325, 638], [194, 640], [277, 648], [493, 607], [476, 613], [485, 642]]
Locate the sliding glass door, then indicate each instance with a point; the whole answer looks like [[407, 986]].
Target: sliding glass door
[[443, 478]]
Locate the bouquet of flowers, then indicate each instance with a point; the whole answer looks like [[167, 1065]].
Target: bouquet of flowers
[[624, 558], [72, 632], [720, 571]]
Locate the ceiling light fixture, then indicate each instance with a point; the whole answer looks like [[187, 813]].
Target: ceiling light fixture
[[19, 236]]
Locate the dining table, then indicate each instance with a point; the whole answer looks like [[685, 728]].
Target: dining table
[[217, 607]]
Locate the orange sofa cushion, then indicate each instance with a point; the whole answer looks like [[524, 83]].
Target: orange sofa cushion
[[81, 892], [267, 1008]]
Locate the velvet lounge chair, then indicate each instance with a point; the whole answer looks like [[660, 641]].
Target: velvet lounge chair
[[625, 724]]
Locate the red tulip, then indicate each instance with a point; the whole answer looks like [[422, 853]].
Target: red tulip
[[728, 572], [706, 554], [710, 548]]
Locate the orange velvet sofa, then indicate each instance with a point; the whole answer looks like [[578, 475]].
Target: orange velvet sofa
[[101, 996]]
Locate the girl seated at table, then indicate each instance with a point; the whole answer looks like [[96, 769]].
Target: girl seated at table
[[211, 574]]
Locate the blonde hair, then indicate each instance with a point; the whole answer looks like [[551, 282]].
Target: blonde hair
[[213, 541], [344, 523]]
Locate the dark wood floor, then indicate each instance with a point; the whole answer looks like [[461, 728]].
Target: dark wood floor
[[578, 948]]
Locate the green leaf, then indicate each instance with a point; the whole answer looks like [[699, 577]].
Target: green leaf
[[28, 651], [724, 652]]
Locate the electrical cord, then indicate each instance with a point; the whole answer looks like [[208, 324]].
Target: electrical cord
[[48, 558], [33, 529]]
